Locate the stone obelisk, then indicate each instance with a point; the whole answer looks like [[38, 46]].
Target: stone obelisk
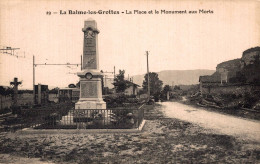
[[90, 76]]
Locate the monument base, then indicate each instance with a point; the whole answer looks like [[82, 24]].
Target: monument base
[[90, 105]]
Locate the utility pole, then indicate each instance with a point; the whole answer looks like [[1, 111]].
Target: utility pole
[[33, 80], [148, 77], [81, 62], [15, 83], [105, 82], [114, 72]]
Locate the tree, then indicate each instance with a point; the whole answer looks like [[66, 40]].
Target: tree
[[54, 90], [2, 90], [176, 88], [155, 84], [120, 82], [6, 91], [165, 90]]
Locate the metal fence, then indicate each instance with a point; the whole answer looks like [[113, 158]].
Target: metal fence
[[117, 118]]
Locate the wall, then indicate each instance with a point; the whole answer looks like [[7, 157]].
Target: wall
[[228, 69], [26, 98], [129, 91], [230, 89], [5, 102]]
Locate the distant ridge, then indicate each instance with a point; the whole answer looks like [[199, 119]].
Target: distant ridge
[[177, 77]]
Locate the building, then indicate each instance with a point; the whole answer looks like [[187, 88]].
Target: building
[[245, 70], [41, 93], [206, 82], [132, 88], [228, 69], [68, 94]]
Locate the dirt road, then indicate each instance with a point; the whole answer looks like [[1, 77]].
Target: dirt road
[[220, 123]]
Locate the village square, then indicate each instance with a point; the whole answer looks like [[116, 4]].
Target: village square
[[92, 109]]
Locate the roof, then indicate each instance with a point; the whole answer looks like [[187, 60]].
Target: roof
[[214, 78], [131, 83]]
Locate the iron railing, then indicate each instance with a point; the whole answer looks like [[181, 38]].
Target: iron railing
[[115, 118]]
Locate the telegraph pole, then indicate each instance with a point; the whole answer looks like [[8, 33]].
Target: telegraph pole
[[33, 80], [114, 72], [105, 82], [148, 78], [81, 62]]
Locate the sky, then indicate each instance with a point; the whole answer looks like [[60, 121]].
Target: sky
[[174, 41]]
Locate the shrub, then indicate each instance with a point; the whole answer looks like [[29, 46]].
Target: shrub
[[249, 100], [122, 118], [5, 110], [119, 100]]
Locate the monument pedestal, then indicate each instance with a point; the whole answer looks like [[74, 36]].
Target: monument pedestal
[[90, 90], [90, 105]]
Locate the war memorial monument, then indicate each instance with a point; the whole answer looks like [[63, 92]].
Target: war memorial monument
[[90, 76]]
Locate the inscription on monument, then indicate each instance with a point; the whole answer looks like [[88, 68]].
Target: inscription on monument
[[88, 90], [89, 51]]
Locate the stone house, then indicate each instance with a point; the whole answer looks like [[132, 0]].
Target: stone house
[[69, 94], [207, 82], [132, 88], [224, 72], [229, 71]]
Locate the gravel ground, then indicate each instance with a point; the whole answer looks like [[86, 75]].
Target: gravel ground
[[163, 140]]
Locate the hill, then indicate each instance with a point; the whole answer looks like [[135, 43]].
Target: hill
[[177, 77]]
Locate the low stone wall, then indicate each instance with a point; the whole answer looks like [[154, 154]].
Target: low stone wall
[[5, 102], [22, 99], [26, 98], [230, 89]]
